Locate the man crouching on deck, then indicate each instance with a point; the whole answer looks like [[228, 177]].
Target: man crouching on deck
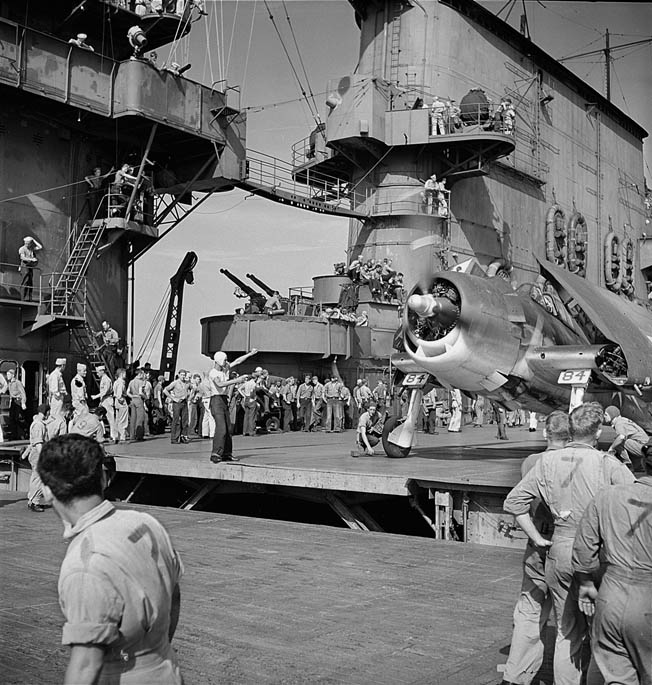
[[119, 581]]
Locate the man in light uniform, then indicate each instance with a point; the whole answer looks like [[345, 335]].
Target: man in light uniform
[[219, 383], [332, 390], [137, 417], [78, 390], [247, 392], [57, 389], [18, 404], [110, 342], [630, 438], [38, 434], [105, 397], [28, 262], [88, 423], [304, 403], [121, 406], [565, 481], [616, 532], [177, 393], [119, 581], [317, 404], [534, 603]]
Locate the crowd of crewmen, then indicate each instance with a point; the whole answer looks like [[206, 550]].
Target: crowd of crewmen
[[384, 282], [588, 562]]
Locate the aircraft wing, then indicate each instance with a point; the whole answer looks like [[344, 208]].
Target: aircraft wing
[[621, 321]]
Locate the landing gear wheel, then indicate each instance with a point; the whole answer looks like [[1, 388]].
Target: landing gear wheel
[[392, 450], [272, 425]]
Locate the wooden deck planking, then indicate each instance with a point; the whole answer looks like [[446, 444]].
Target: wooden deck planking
[[471, 459], [275, 602]]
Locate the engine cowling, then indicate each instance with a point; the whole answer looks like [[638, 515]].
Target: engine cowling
[[463, 329]]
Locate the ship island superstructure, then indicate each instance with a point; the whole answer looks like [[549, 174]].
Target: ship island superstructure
[[82, 90], [563, 180]]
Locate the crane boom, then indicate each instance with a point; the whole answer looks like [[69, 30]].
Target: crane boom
[[172, 331]]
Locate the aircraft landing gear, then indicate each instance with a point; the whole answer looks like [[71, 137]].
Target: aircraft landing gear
[[392, 450], [398, 433]]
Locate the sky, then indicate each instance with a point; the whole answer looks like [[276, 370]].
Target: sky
[[284, 246]]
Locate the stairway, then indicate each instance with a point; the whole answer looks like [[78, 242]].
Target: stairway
[[72, 276], [395, 44]]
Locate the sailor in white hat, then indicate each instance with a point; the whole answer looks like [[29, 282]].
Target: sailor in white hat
[[78, 389], [219, 381], [57, 389]]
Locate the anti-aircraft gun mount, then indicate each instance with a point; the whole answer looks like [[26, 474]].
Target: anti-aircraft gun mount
[[256, 300]]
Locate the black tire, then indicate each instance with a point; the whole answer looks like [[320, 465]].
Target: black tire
[[272, 424], [391, 450]]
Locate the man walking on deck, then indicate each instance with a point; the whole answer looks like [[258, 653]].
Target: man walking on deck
[[534, 602], [565, 481], [119, 581], [38, 434], [219, 380]]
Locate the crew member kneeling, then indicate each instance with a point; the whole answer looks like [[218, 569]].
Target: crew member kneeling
[[370, 429]]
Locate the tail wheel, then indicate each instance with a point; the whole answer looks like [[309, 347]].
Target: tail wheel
[[392, 450], [273, 424]]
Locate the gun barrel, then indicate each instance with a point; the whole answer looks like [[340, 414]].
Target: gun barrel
[[241, 284], [262, 284]]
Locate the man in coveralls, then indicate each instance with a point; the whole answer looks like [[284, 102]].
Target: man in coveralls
[[616, 531], [566, 481], [534, 603], [119, 581]]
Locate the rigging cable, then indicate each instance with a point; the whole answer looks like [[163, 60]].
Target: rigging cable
[[155, 323], [251, 33], [228, 54], [303, 66], [287, 54]]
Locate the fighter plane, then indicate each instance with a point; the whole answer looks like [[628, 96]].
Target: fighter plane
[[549, 344]]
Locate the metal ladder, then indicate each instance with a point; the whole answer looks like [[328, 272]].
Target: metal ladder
[[86, 341], [395, 45], [75, 269]]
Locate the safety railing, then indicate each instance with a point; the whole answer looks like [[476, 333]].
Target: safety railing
[[58, 300], [277, 175], [434, 203], [312, 148], [15, 282]]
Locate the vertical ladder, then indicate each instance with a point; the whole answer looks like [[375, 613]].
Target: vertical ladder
[[395, 42], [75, 269]]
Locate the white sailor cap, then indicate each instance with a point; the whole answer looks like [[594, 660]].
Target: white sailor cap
[[220, 357], [60, 361], [28, 239], [81, 367], [100, 368]]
